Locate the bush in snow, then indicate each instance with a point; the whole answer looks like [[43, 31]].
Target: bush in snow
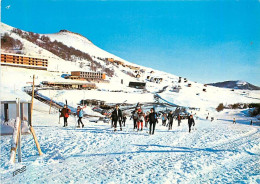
[[9, 43], [255, 109], [220, 107]]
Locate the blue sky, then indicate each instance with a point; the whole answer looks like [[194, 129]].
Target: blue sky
[[204, 41]]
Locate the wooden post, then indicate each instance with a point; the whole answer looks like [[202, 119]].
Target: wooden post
[[18, 114], [6, 112], [50, 106], [21, 111], [31, 127], [29, 114], [36, 140], [32, 98], [15, 139]]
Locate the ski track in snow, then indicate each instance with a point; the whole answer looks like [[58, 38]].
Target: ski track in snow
[[217, 152]]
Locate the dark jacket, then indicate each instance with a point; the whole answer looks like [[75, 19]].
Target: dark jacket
[[170, 117], [116, 116], [152, 117], [191, 121]]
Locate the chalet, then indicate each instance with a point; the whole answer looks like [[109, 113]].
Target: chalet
[[158, 79], [110, 60], [138, 75], [23, 61]]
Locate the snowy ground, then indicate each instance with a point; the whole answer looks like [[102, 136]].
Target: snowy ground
[[217, 152]]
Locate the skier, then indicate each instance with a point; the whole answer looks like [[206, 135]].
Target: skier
[[251, 122], [191, 122], [117, 116], [146, 118], [80, 115], [140, 121], [164, 118], [170, 118], [179, 120], [65, 114], [234, 121], [135, 117], [124, 120], [152, 120]]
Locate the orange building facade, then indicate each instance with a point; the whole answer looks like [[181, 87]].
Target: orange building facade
[[24, 61], [78, 75]]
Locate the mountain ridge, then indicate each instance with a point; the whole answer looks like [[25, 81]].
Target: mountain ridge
[[235, 84]]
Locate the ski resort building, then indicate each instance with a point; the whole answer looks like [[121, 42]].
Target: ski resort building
[[69, 85], [23, 61], [137, 85], [110, 60], [91, 76]]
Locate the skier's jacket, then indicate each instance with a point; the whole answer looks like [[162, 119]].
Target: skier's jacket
[[179, 118], [135, 115], [117, 116], [152, 117], [80, 113], [65, 112], [191, 121], [170, 117]]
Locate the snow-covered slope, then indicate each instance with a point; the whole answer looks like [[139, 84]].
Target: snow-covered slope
[[216, 152]]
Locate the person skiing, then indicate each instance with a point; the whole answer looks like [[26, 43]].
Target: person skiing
[[234, 121], [135, 117], [170, 118], [117, 116], [191, 122], [146, 118], [124, 120], [164, 118], [65, 114], [140, 121], [179, 120], [152, 121], [80, 115]]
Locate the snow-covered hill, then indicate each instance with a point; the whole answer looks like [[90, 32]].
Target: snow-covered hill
[[191, 94], [235, 85]]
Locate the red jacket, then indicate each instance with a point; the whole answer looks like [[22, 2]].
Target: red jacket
[[65, 112]]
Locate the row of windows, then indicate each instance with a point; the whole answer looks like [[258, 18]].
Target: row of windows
[[27, 63], [23, 60], [90, 73], [30, 59]]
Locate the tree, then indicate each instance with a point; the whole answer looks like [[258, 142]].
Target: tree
[[220, 107]]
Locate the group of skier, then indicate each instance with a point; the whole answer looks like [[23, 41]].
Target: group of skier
[[65, 112], [139, 118]]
